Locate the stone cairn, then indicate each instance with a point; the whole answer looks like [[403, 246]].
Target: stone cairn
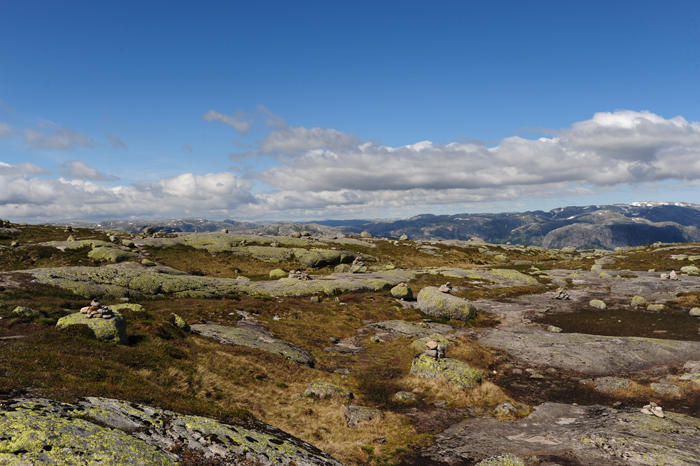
[[299, 275], [446, 288], [359, 261], [97, 311], [562, 294], [670, 276], [653, 408], [435, 350]]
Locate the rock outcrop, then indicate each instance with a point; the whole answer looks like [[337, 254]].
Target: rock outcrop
[[587, 435], [438, 304], [113, 432]]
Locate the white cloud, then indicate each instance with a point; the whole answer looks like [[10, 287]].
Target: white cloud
[[22, 168], [116, 142], [81, 170], [297, 140], [612, 148], [320, 172], [214, 195], [241, 121], [6, 130], [55, 137]]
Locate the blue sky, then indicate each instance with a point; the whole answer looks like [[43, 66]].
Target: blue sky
[[310, 110]]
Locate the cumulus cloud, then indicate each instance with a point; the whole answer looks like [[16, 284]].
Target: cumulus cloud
[[116, 142], [6, 130], [214, 195], [297, 140], [241, 121], [81, 170], [53, 136], [610, 149], [271, 120], [22, 168], [320, 172]]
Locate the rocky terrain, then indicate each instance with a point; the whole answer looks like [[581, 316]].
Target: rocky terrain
[[302, 346]]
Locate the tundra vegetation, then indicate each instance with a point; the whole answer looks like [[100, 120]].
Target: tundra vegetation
[[325, 351]]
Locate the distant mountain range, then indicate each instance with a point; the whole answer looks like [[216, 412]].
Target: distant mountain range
[[594, 226]]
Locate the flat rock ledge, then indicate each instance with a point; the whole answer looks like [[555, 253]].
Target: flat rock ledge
[[582, 435], [139, 282], [112, 432], [590, 354], [257, 339]]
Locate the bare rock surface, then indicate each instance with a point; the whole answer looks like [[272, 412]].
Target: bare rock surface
[[590, 354], [113, 432], [581, 435], [252, 334]]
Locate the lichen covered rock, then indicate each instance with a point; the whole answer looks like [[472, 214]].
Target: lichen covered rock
[[419, 344], [322, 257], [327, 390], [598, 304], [112, 329], [638, 301], [611, 384], [438, 304], [110, 254], [257, 340], [356, 414], [22, 311], [133, 307], [278, 273], [112, 432], [507, 459], [402, 291], [458, 372]]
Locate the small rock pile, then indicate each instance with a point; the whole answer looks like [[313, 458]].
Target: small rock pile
[[446, 288], [97, 310], [562, 294], [670, 276], [299, 275], [435, 350], [653, 408]]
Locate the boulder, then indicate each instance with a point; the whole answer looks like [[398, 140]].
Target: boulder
[[403, 237], [404, 397], [695, 312], [110, 254], [112, 329], [611, 384], [22, 311], [327, 390], [501, 258], [457, 372], [505, 409], [402, 291], [434, 303], [598, 304], [638, 301], [295, 234], [365, 234], [130, 306], [278, 273], [322, 257], [180, 323], [356, 414], [666, 388], [690, 270], [655, 307]]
